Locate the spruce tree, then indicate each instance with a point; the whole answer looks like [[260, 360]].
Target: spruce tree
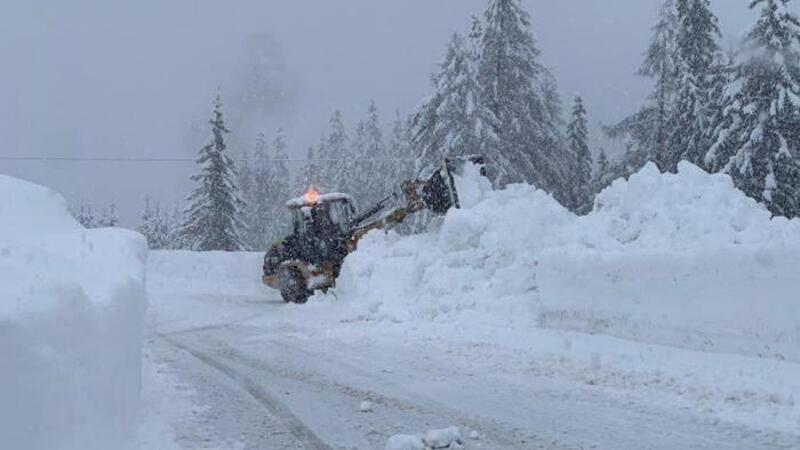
[[109, 219], [147, 224], [521, 94], [698, 70], [212, 215], [577, 140], [457, 123], [279, 190], [357, 174], [174, 227], [400, 153], [375, 166], [85, 216], [601, 178], [759, 139], [253, 178], [310, 175], [339, 167], [155, 226], [648, 129]]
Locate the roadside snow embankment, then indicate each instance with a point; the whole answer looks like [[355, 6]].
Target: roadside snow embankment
[[71, 315], [678, 259]]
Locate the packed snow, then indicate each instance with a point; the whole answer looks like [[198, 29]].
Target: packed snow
[[676, 259], [71, 324]]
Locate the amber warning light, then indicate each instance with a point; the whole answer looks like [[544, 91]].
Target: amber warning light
[[312, 196]]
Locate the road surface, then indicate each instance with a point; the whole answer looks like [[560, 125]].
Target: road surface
[[259, 374]]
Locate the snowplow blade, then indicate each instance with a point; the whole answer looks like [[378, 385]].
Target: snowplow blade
[[439, 192]]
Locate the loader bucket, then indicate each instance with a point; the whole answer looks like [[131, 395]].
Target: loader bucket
[[439, 193]]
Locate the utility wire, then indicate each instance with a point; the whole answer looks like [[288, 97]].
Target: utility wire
[[179, 160]]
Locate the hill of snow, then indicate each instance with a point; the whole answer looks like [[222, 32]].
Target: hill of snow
[[679, 259], [71, 316]]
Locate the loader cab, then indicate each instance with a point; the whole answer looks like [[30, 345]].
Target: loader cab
[[316, 215]]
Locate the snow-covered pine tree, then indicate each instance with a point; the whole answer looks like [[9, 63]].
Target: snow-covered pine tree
[[647, 130], [85, 216], [162, 229], [338, 171], [212, 214], [309, 177], [110, 218], [174, 226], [603, 172], [358, 173], [373, 165], [520, 93], [698, 70], [400, 154], [759, 139], [279, 190], [577, 140], [147, 223], [458, 123], [154, 226], [253, 176]]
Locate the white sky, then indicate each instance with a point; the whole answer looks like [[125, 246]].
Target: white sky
[[127, 78]]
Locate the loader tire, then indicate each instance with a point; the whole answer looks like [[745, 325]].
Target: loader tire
[[293, 285]]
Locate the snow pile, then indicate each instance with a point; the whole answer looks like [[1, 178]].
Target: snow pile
[[70, 325], [448, 438], [681, 259], [689, 211]]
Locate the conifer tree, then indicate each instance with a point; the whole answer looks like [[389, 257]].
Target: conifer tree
[[520, 93], [338, 170], [155, 226], [212, 215], [648, 129], [375, 167], [400, 153], [109, 219], [309, 177], [457, 122], [147, 224], [577, 140], [279, 190], [253, 178], [85, 216], [357, 163], [698, 70], [603, 171], [174, 225], [759, 139]]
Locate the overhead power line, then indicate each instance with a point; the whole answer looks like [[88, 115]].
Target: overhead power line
[[176, 160]]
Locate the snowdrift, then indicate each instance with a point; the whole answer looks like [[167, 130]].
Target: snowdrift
[[71, 311], [677, 259]]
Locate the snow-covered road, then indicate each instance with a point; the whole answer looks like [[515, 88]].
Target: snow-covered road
[[238, 369]]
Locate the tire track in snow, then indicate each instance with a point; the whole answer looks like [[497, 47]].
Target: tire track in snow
[[511, 438], [294, 425]]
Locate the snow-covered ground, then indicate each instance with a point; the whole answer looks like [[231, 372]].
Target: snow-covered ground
[[668, 318], [71, 319]]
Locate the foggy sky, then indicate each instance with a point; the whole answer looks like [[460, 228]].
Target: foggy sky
[[115, 78]]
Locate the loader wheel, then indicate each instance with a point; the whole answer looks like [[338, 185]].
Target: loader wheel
[[293, 285]]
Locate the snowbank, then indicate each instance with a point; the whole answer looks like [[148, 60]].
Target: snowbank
[[447, 438], [70, 325], [680, 259]]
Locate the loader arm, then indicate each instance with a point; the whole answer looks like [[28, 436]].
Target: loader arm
[[437, 194]]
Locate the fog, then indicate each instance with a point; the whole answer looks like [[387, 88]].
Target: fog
[[100, 78]]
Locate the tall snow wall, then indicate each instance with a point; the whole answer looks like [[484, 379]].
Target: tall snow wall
[[72, 303]]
